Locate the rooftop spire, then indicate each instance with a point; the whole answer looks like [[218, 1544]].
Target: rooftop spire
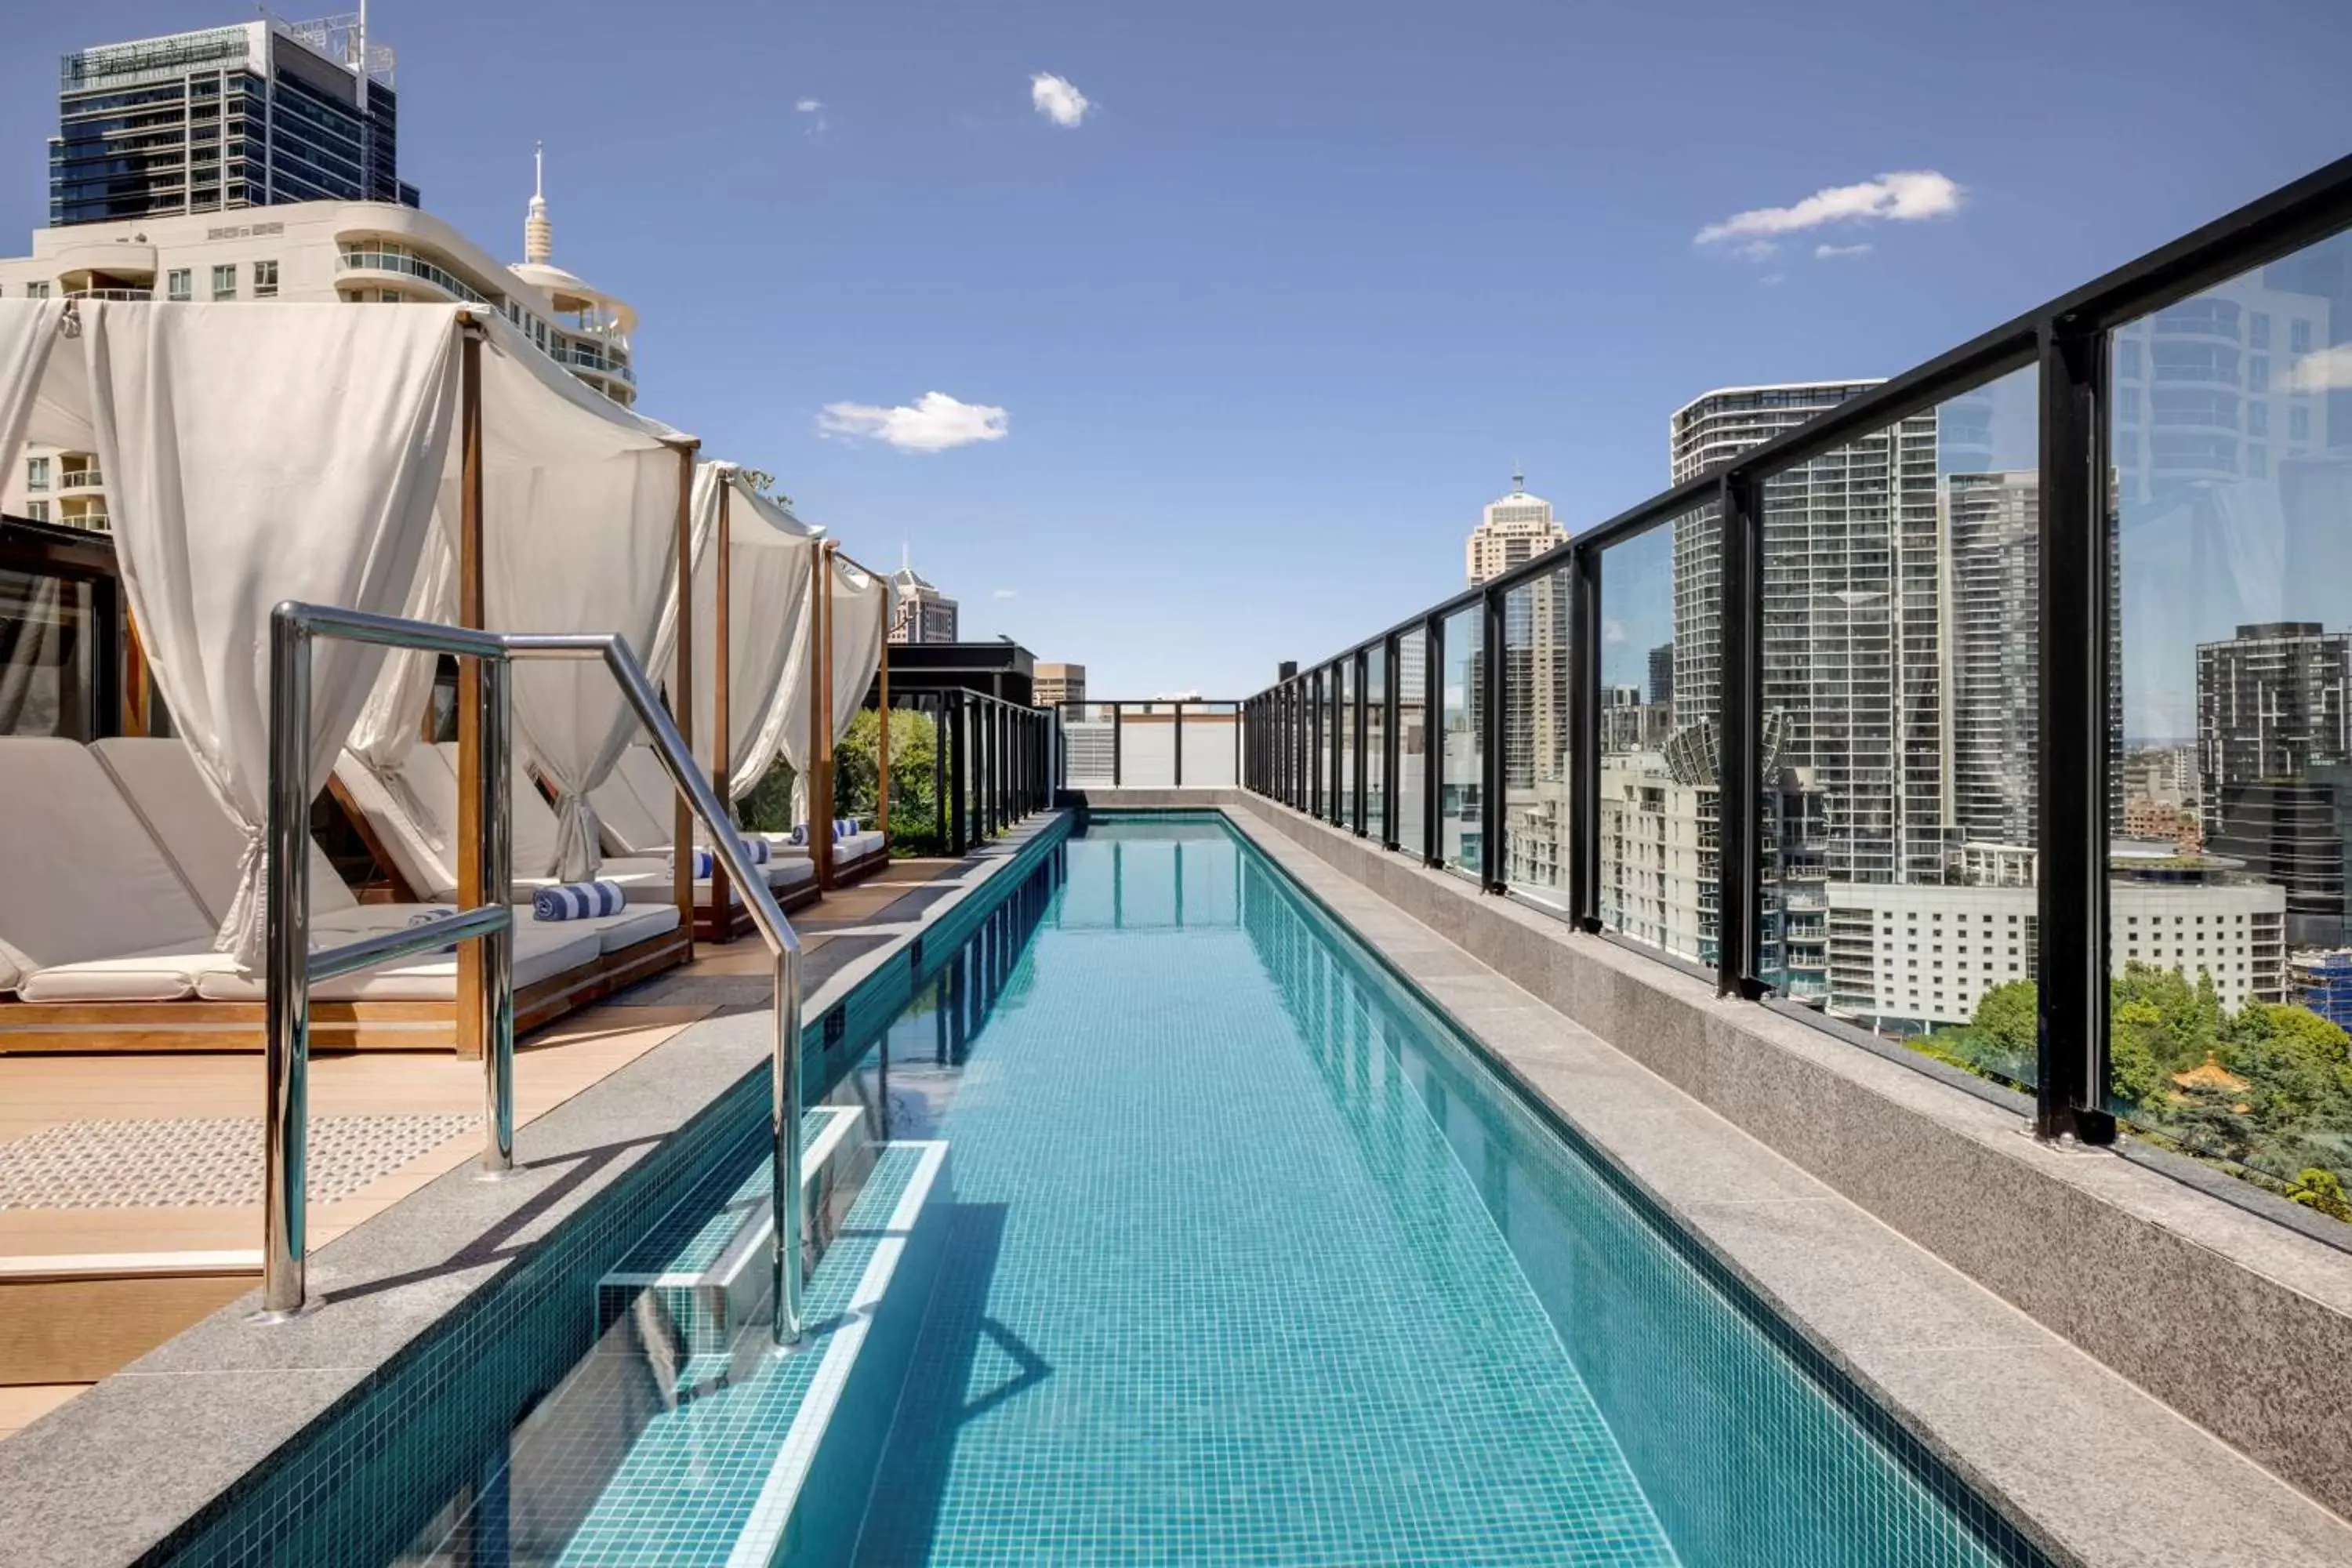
[[1519, 479], [537, 233]]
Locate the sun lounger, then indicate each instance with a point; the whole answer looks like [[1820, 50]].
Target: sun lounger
[[644, 818], [108, 940]]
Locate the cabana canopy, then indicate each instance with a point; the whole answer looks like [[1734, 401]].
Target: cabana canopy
[[857, 609], [260, 453], [768, 623]]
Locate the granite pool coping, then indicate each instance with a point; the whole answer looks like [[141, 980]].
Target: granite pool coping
[[113, 1473]]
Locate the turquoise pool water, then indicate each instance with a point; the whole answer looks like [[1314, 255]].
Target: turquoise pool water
[[1164, 1227], [1251, 1261]]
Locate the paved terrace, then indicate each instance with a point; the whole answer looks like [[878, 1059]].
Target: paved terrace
[[131, 1185]]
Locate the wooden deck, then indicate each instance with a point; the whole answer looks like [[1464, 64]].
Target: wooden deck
[[85, 1289]]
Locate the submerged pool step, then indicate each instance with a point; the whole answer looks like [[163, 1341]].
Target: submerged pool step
[[698, 1277], [774, 1460]]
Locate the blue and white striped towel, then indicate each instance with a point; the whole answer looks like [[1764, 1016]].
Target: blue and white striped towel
[[578, 900], [434, 917], [799, 834], [755, 850]]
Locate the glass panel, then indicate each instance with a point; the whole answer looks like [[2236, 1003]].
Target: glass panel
[[1147, 745], [1901, 679], [1459, 777], [1326, 741], [1376, 698], [2231, 461], [1536, 824], [1344, 722], [48, 656], [1659, 614], [1412, 739], [1207, 743], [1088, 744]]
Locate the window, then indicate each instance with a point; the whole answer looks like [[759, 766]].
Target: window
[[38, 511], [37, 473], [2258, 330], [265, 280], [2298, 424], [2258, 373], [2258, 419], [178, 285], [224, 283], [37, 290], [2298, 337]]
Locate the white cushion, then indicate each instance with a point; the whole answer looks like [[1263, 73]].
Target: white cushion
[[81, 878], [14, 967], [638, 922], [423, 850], [628, 828], [540, 950], [159, 778]]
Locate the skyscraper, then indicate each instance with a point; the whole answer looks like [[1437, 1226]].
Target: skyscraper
[[1853, 642], [2273, 734], [1517, 527], [919, 612], [254, 114], [1993, 524]]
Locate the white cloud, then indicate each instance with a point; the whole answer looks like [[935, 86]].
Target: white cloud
[[1772, 279], [2330, 370], [1058, 100], [934, 423], [1613, 631], [814, 108], [1832, 252], [809, 106], [1005, 594], [1905, 197]]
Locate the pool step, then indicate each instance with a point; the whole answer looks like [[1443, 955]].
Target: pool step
[[771, 1458], [698, 1277]]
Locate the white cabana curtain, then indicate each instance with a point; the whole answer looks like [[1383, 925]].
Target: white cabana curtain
[[28, 337], [580, 510], [391, 721], [254, 455], [860, 614], [768, 568]]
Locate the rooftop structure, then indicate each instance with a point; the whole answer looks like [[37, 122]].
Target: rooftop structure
[[921, 614]]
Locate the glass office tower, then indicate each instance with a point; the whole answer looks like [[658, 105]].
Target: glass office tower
[[252, 115]]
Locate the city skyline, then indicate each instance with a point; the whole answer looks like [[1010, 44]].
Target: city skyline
[[1155, 309]]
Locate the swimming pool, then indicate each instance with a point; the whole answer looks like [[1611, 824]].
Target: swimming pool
[[1245, 1257]]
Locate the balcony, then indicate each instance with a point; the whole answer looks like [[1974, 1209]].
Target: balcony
[[400, 264], [88, 479]]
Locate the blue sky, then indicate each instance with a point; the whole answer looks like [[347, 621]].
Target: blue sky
[[1275, 317]]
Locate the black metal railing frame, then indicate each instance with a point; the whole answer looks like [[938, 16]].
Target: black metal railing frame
[[990, 765], [2067, 340], [1242, 714]]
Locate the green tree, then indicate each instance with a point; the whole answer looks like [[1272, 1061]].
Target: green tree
[[2322, 1189], [914, 752], [2005, 1029], [2139, 1053]]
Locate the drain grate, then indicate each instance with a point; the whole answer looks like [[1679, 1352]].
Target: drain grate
[[194, 1163]]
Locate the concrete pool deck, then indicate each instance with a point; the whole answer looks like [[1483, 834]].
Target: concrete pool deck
[[116, 1471]]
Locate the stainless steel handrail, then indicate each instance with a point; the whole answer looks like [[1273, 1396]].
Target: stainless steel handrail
[[292, 968]]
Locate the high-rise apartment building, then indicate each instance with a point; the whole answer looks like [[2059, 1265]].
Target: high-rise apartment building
[[1052, 685], [1851, 626], [919, 612], [1993, 524], [1516, 528], [2273, 741], [254, 114]]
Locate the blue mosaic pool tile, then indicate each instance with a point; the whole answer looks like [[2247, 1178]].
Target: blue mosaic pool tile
[[683, 1494]]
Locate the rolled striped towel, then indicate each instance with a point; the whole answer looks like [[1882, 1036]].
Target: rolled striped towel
[[799, 834], [578, 900], [434, 917], [755, 850]]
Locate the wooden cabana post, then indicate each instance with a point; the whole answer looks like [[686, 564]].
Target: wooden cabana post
[[681, 696], [722, 922], [882, 733], [820, 788], [472, 612]]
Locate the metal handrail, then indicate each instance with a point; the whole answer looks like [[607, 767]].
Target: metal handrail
[[292, 968]]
